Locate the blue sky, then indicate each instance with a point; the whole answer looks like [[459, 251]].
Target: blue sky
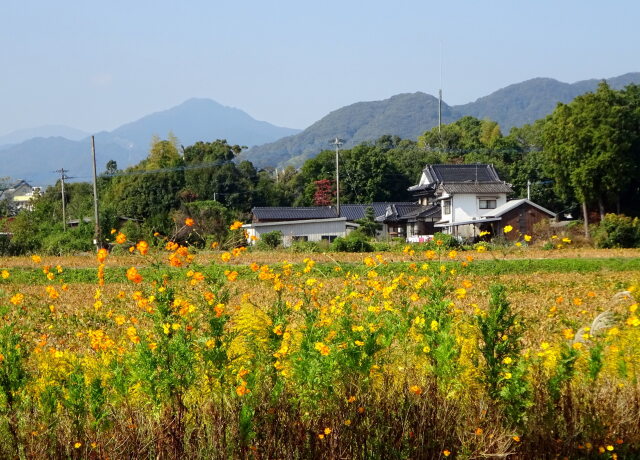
[[96, 65]]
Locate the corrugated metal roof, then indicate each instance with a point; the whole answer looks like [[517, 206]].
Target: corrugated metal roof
[[293, 213], [472, 187]]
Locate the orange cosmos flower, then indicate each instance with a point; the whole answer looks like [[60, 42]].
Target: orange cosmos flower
[[236, 225], [189, 222], [242, 390], [415, 389], [142, 247], [121, 238], [133, 275], [231, 275], [102, 255]]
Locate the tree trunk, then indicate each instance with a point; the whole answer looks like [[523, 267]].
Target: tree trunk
[[585, 216], [601, 208], [618, 205]]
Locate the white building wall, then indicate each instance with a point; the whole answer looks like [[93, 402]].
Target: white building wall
[[313, 230], [466, 206]]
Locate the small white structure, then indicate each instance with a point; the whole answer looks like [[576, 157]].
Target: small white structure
[[302, 230]]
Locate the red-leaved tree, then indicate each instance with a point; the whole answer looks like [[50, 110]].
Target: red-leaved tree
[[324, 193]]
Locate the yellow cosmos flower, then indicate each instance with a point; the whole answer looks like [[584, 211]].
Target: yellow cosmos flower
[[507, 229]]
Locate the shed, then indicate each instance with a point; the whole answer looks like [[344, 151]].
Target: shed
[[520, 214]]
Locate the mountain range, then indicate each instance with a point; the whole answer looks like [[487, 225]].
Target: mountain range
[[410, 115], [194, 120], [406, 115]]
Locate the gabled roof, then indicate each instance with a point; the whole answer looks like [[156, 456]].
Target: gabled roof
[[473, 187], [293, 213], [509, 205], [461, 173]]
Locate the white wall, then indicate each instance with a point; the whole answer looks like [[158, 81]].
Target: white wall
[[466, 206], [313, 230]]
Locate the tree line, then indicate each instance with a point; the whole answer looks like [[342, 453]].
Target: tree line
[[583, 158]]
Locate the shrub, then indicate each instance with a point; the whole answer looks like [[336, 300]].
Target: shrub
[[618, 231], [380, 246], [448, 241], [5, 245], [356, 241], [272, 239], [306, 246], [79, 239]]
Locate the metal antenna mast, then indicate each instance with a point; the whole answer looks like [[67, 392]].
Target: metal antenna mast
[[62, 172], [337, 142]]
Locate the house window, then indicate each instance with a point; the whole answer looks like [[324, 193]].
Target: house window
[[300, 238], [446, 207], [328, 238], [487, 204]]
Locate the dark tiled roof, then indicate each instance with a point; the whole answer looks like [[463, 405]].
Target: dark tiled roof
[[461, 173], [286, 213], [472, 187], [400, 211], [358, 211], [351, 211], [422, 188], [424, 212]]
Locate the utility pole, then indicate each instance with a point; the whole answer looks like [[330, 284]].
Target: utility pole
[[337, 142], [529, 190], [96, 232], [61, 171], [440, 94]]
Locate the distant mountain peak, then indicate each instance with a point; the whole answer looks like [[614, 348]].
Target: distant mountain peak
[[196, 119]]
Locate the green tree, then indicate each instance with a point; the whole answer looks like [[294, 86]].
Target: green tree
[[368, 224], [591, 146], [149, 190]]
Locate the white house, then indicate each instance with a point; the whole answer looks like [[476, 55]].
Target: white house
[[19, 195], [470, 196]]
